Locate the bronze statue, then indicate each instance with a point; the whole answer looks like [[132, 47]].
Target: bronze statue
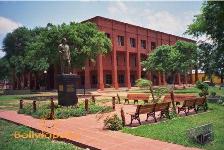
[[65, 58]]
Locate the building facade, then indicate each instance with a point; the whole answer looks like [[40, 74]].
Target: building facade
[[130, 45], [122, 66]]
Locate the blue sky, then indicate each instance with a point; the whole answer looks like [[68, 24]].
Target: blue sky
[[170, 17]]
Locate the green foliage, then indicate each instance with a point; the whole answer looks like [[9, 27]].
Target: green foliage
[[113, 123], [174, 130], [4, 69], [43, 111], [168, 54], [143, 83], [36, 49], [188, 55], [203, 87], [8, 142], [213, 93], [210, 23]]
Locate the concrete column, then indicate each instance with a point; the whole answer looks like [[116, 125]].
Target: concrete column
[[139, 70], [87, 75], [100, 72], [127, 71], [114, 62], [127, 67]]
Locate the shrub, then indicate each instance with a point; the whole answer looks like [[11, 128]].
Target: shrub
[[113, 123], [43, 111], [213, 93], [203, 87]]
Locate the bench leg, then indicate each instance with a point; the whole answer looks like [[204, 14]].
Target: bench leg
[[132, 118], [126, 100], [139, 120], [154, 116]]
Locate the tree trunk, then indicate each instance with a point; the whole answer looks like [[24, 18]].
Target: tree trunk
[[172, 101], [221, 79], [196, 74]]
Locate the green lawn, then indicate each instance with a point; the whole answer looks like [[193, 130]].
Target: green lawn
[[10, 102], [8, 142], [174, 130]]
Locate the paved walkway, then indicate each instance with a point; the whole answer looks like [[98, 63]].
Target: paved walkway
[[87, 131]]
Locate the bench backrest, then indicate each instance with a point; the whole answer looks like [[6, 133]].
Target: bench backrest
[[142, 109], [178, 97], [162, 106], [138, 96], [200, 101], [189, 102]]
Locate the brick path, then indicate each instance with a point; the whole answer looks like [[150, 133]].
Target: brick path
[[87, 131]]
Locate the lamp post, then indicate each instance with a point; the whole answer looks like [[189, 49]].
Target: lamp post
[[84, 87], [45, 76]]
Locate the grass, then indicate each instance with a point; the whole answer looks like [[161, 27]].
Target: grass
[[10, 102], [43, 110], [174, 130], [8, 142]]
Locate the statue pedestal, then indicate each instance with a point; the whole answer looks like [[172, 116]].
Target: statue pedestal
[[67, 89]]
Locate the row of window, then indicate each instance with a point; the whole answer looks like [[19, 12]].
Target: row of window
[[120, 40]]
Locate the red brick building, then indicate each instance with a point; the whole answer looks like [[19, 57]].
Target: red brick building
[[130, 45]]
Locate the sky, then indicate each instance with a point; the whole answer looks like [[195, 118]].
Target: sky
[[170, 16]]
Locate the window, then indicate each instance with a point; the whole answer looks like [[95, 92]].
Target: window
[[153, 45], [121, 79], [108, 79], [120, 40], [108, 35], [143, 44], [132, 42]]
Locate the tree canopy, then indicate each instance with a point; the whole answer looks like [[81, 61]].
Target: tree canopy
[[36, 49], [210, 23]]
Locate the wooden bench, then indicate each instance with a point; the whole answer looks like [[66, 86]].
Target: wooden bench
[[136, 97], [163, 108], [201, 103], [178, 98], [187, 105], [150, 110], [195, 103]]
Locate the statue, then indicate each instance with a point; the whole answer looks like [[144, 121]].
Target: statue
[[65, 58]]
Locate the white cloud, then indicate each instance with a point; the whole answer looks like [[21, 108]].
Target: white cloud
[[163, 21], [118, 7], [7, 25]]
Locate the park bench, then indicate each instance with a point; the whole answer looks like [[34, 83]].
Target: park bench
[[201, 103], [136, 97], [150, 110], [201, 134], [187, 105], [178, 98], [194, 103], [163, 108]]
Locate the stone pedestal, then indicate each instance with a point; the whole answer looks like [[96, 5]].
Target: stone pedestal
[[67, 89]]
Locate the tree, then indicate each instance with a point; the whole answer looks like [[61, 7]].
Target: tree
[[207, 59], [170, 60], [4, 69], [35, 50], [210, 23], [188, 56], [170, 63]]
